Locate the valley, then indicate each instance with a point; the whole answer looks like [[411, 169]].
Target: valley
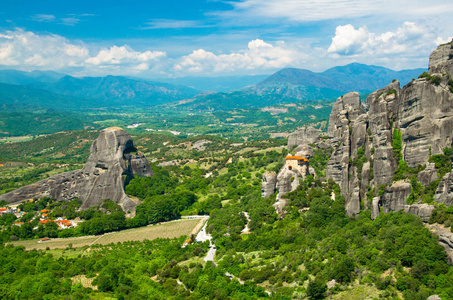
[[124, 188]]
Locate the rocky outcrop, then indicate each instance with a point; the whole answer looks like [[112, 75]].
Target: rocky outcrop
[[441, 60], [423, 211], [444, 192], [364, 159], [303, 136], [395, 196], [110, 166], [445, 239], [428, 175], [201, 145], [268, 186], [347, 128], [426, 120]]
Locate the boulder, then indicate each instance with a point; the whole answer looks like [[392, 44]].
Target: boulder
[[423, 211], [428, 175], [110, 166]]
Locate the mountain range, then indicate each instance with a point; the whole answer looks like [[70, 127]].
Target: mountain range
[[52, 90]]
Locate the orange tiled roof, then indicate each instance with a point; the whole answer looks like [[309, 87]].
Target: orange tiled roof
[[297, 157], [45, 221], [3, 209], [44, 210]]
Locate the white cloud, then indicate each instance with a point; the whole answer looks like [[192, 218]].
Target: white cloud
[[258, 56], [29, 50], [122, 55], [410, 39], [69, 20], [315, 10], [43, 18], [174, 24]]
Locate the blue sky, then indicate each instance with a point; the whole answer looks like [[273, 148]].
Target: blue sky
[[175, 38]]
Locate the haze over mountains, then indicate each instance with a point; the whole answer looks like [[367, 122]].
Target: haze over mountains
[[48, 89]]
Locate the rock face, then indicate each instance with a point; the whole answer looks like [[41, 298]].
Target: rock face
[[441, 60], [364, 160], [269, 184], [347, 128], [110, 166], [445, 239], [444, 192], [303, 136]]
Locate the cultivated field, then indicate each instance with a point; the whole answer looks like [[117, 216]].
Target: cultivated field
[[165, 230]]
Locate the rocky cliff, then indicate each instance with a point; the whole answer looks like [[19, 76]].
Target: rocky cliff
[[110, 166], [296, 167], [401, 130]]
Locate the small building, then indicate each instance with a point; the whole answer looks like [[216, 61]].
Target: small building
[[44, 239], [295, 162], [63, 224], [44, 211], [19, 224], [5, 210]]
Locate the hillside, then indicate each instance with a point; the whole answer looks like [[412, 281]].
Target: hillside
[[119, 91], [18, 97], [218, 84], [25, 78]]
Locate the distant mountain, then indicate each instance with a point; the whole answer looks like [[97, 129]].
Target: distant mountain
[[291, 85], [218, 84], [300, 83], [27, 78], [17, 97], [118, 90], [366, 78]]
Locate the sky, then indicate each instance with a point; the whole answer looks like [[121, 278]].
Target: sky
[[176, 38]]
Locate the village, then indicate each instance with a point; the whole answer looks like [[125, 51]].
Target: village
[[19, 217]]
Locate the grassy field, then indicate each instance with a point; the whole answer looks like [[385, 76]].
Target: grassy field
[[166, 230]]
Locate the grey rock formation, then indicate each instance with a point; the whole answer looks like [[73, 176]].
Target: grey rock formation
[[201, 144], [109, 166], [303, 136], [268, 186], [422, 111], [441, 59], [428, 175], [445, 239], [288, 180], [383, 109], [375, 208], [395, 197], [426, 120], [434, 297], [423, 211], [347, 128], [444, 192]]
